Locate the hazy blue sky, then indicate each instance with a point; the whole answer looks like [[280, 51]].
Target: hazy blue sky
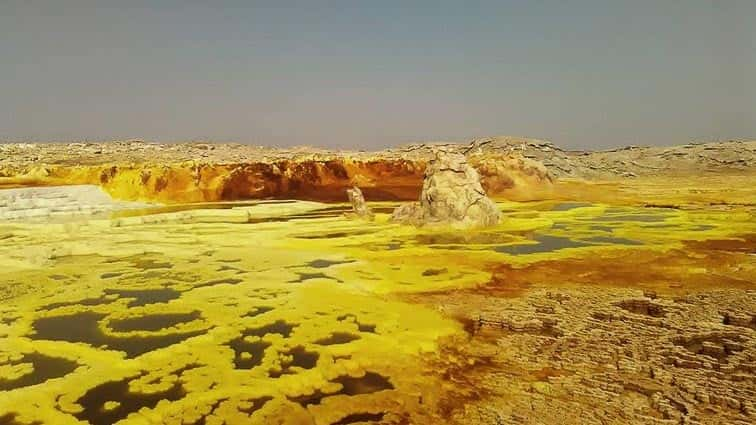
[[373, 73]]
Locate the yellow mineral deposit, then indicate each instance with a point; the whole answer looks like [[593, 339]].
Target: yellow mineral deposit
[[603, 301]]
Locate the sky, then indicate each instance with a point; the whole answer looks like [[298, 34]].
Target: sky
[[585, 74]]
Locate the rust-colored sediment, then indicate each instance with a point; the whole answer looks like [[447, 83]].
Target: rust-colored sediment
[[627, 336], [697, 265]]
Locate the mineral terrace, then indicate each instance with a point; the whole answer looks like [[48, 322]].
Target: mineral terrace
[[493, 281]]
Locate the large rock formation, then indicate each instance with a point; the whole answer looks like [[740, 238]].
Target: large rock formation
[[452, 194]]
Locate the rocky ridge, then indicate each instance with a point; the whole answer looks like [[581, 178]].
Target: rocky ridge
[[630, 161], [201, 172]]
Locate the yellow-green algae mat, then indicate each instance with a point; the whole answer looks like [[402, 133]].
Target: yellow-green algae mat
[[274, 313]]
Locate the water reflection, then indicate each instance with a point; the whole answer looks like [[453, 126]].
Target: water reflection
[[44, 367], [544, 243], [85, 328]]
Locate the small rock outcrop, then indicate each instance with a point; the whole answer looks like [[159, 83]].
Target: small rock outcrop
[[451, 195], [359, 207], [512, 176]]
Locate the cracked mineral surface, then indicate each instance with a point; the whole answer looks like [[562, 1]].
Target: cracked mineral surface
[[601, 300]]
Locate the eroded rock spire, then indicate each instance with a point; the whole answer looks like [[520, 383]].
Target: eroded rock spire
[[452, 194], [359, 207]]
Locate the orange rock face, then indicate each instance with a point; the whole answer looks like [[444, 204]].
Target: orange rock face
[[510, 167], [384, 176], [311, 180]]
